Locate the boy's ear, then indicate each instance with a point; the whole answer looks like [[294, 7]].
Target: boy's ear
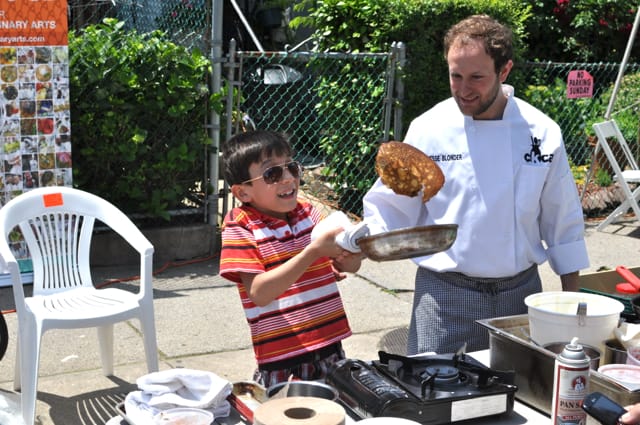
[[240, 192]]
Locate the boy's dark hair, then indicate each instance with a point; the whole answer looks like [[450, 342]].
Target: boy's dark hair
[[496, 38], [244, 149]]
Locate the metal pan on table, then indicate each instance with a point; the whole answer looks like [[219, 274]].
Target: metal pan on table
[[409, 242]]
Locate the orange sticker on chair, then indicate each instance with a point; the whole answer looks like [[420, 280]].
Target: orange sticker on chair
[[52, 200]]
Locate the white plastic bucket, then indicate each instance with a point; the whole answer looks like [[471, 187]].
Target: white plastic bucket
[[553, 317]]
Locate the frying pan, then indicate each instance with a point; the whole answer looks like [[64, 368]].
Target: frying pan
[[408, 242]]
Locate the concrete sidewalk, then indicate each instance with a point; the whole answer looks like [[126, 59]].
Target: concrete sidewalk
[[200, 325]]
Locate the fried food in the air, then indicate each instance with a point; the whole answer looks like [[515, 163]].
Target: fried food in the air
[[407, 170]]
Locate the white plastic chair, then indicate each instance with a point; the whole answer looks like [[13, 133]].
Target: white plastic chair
[[629, 173], [57, 224]]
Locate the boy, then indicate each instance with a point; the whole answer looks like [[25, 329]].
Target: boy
[[287, 283]]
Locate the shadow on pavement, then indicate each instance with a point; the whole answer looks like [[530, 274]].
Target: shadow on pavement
[[90, 408]]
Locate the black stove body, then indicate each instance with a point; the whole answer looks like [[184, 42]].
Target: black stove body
[[431, 389]]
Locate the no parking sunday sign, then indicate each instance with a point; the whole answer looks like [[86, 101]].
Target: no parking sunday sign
[[579, 84], [34, 101]]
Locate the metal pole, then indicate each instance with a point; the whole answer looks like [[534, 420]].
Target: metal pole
[[388, 101], [232, 67], [623, 65], [247, 26], [216, 72], [399, 99]]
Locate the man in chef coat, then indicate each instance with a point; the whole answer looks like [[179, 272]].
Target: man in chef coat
[[508, 186]]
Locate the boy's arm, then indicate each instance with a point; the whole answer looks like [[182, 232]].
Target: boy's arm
[[265, 287]]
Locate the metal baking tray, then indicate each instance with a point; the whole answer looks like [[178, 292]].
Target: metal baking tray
[[510, 349]]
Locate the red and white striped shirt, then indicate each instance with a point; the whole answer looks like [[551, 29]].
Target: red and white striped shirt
[[309, 315]]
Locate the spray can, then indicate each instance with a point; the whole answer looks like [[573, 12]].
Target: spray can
[[570, 382]]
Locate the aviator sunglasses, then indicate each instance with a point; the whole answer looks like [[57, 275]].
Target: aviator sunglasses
[[274, 174]]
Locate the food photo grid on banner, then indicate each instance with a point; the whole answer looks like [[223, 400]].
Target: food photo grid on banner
[[35, 132]]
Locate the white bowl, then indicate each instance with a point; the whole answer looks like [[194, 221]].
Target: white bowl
[[183, 416], [553, 317]]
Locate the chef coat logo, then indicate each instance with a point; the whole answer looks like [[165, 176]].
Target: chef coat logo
[[535, 156]]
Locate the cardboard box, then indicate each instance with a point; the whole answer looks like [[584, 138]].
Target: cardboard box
[[604, 283]]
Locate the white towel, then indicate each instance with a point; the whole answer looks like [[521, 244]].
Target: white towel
[[10, 413], [347, 239], [178, 388]]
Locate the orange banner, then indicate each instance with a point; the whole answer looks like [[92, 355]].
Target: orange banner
[[33, 23]]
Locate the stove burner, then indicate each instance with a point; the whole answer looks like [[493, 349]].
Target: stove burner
[[433, 389], [441, 374]]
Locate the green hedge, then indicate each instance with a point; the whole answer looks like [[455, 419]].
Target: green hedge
[[372, 25], [137, 117]]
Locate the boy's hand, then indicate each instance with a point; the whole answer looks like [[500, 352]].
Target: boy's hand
[[343, 261], [348, 261], [325, 244]]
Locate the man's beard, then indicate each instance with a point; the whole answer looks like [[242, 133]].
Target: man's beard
[[484, 106]]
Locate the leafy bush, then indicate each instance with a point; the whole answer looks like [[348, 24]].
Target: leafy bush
[[626, 110], [373, 25], [603, 178], [137, 119], [581, 30]]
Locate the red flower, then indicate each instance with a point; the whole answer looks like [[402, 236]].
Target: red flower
[[626, 28], [603, 23]]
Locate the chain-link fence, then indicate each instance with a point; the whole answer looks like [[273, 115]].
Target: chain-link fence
[[186, 21], [336, 107]]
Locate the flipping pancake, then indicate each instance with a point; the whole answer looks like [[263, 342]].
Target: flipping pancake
[[406, 170]]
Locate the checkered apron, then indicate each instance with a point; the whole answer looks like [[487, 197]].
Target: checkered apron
[[446, 306]]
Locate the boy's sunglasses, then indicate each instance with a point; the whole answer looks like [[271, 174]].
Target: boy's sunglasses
[[274, 174]]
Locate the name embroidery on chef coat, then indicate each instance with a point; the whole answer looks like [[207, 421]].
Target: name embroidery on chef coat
[[446, 157], [535, 156]]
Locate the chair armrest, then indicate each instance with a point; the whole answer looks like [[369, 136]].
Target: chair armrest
[[9, 264]]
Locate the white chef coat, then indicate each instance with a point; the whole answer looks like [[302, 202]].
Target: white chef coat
[[508, 186]]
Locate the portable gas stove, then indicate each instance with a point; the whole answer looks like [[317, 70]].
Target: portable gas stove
[[429, 389]]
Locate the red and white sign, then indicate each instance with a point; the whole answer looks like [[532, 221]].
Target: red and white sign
[[33, 22], [579, 84]]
